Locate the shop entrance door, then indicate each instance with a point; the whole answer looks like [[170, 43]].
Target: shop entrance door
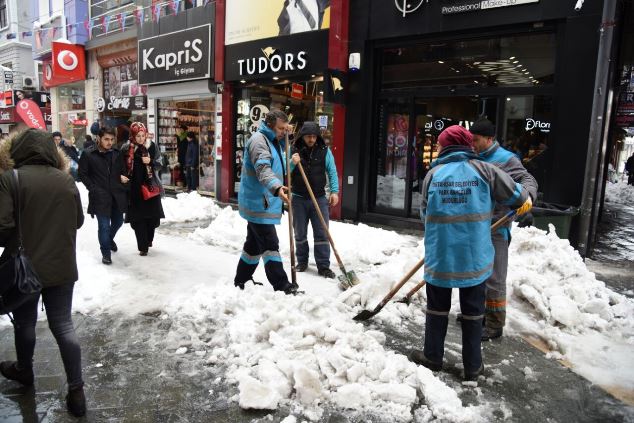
[[406, 143]]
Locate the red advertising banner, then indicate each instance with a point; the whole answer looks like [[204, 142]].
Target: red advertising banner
[[31, 114]]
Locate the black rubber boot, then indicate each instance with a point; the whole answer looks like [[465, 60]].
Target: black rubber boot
[[9, 369], [76, 402]]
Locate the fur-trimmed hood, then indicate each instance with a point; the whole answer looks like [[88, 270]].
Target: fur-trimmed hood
[[32, 147]]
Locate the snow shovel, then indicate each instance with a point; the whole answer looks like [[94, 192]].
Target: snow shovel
[[494, 227], [346, 279], [290, 213], [367, 314]]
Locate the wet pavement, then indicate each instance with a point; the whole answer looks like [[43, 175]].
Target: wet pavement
[[613, 257], [133, 375]]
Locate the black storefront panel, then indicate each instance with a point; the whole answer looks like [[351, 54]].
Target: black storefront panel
[[299, 54]]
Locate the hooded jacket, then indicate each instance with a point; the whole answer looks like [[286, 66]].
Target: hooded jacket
[[101, 174], [262, 175], [50, 206], [316, 161], [458, 197], [508, 162]]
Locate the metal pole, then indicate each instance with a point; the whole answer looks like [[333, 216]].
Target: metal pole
[[606, 34]]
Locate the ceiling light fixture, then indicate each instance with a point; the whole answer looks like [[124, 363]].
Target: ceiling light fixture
[[441, 62], [275, 78], [512, 57]]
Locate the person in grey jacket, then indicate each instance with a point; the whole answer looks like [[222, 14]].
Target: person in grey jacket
[[491, 152], [262, 193]]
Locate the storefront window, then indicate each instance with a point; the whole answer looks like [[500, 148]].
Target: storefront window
[[526, 132], [302, 102], [124, 100], [195, 116], [407, 144], [519, 60], [72, 116]]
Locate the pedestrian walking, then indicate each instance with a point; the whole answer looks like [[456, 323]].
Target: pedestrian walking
[[101, 171], [181, 151], [629, 168], [192, 161], [319, 165], [260, 199], [50, 214], [458, 196], [144, 214], [490, 151]]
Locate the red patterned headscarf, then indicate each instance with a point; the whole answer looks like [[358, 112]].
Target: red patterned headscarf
[[135, 128]]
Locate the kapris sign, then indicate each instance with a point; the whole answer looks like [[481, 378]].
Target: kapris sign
[[177, 56]]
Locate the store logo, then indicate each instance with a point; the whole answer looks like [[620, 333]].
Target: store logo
[[114, 103], [272, 61], [169, 60], [67, 60], [31, 114], [5, 116], [408, 6], [537, 124], [439, 125]]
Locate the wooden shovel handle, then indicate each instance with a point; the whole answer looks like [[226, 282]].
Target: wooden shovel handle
[[321, 217], [402, 282]]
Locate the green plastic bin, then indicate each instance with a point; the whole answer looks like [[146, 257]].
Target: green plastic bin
[[558, 215]]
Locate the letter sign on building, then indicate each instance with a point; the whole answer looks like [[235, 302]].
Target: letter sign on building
[[176, 56]]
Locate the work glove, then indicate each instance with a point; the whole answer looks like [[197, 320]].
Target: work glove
[[526, 207]]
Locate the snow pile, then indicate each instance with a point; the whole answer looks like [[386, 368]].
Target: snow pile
[[554, 296], [620, 193], [306, 352], [187, 207]]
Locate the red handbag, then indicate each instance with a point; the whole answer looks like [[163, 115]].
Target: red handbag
[[149, 191]]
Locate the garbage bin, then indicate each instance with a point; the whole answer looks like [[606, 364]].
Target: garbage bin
[[558, 215]]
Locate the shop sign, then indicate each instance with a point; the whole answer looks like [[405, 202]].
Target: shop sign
[[537, 124], [6, 99], [302, 53], [7, 116], [68, 62], [120, 103], [474, 6], [408, 6], [297, 91], [79, 122], [178, 56], [31, 114], [8, 77]]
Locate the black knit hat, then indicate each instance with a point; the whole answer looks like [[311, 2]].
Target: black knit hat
[[483, 127]]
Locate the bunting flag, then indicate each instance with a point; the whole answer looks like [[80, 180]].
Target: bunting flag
[[157, 13], [27, 34], [106, 22]]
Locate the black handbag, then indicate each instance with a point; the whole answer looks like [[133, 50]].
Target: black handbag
[[18, 281]]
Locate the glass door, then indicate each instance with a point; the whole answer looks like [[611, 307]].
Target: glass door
[[408, 130]]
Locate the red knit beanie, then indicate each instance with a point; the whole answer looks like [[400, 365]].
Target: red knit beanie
[[455, 135]]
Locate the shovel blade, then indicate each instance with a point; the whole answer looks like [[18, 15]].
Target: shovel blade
[[365, 315], [352, 278]]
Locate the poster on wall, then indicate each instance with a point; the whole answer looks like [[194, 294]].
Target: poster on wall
[[249, 20], [397, 135]]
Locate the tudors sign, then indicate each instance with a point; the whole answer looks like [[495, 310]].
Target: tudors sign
[[178, 56], [303, 53]]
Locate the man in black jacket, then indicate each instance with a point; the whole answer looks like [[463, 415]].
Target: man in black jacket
[[100, 170]]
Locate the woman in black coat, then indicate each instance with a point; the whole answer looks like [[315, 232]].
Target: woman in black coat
[[143, 214]]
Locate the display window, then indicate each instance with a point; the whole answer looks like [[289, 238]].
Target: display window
[[124, 100], [71, 120], [175, 120], [301, 101]]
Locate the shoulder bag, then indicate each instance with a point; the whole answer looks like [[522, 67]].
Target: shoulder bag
[[18, 281]]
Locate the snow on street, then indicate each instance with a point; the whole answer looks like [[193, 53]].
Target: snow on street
[[305, 352]]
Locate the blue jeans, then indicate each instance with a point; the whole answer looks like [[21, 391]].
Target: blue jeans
[[58, 301], [107, 229], [304, 211], [437, 316]]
